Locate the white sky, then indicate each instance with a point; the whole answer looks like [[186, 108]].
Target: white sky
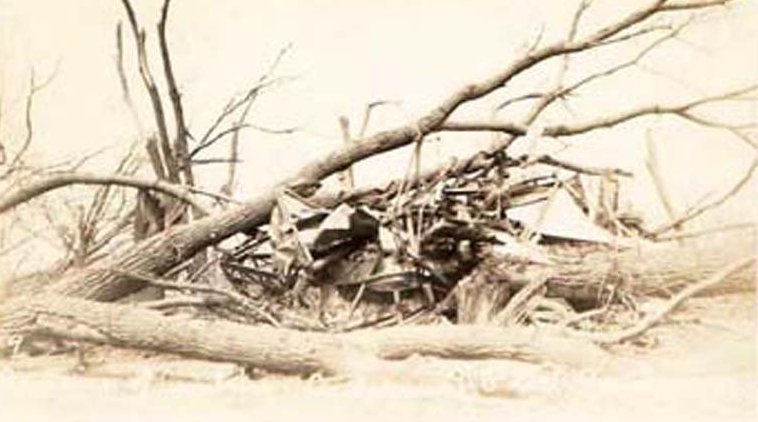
[[347, 53]]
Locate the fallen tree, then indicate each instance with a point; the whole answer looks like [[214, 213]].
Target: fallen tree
[[67, 307], [163, 251], [291, 351], [283, 350]]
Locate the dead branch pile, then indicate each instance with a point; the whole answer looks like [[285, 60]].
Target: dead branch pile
[[298, 294], [447, 250], [422, 249]]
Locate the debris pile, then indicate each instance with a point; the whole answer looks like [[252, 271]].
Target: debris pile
[[486, 247]]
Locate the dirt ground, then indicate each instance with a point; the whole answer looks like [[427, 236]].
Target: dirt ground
[[700, 366]]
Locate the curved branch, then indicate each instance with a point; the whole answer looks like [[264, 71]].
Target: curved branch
[[676, 301], [60, 180], [711, 205], [562, 130]]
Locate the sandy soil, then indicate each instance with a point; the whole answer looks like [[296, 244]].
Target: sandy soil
[[701, 366]]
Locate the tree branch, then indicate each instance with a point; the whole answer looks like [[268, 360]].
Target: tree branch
[[741, 183], [164, 251], [563, 130], [155, 99], [180, 143], [595, 171], [12, 166], [655, 318], [235, 297], [282, 350], [57, 181]]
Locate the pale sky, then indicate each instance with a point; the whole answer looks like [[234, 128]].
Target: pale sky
[[347, 53]]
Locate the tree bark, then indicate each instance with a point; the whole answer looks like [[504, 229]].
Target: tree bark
[[276, 349], [158, 254]]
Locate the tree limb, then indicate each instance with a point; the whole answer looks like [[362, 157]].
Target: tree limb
[[563, 130], [282, 350], [60, 180], [675, 302], [164, 251], [741, 183], [155, 99], [180, 142]]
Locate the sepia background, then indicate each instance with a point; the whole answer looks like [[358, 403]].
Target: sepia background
[[343, 55]]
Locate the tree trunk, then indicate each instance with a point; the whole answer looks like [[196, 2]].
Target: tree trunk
[[280, 350], [159, 253]]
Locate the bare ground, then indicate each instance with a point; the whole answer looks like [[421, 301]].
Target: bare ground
[[700, 366]]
